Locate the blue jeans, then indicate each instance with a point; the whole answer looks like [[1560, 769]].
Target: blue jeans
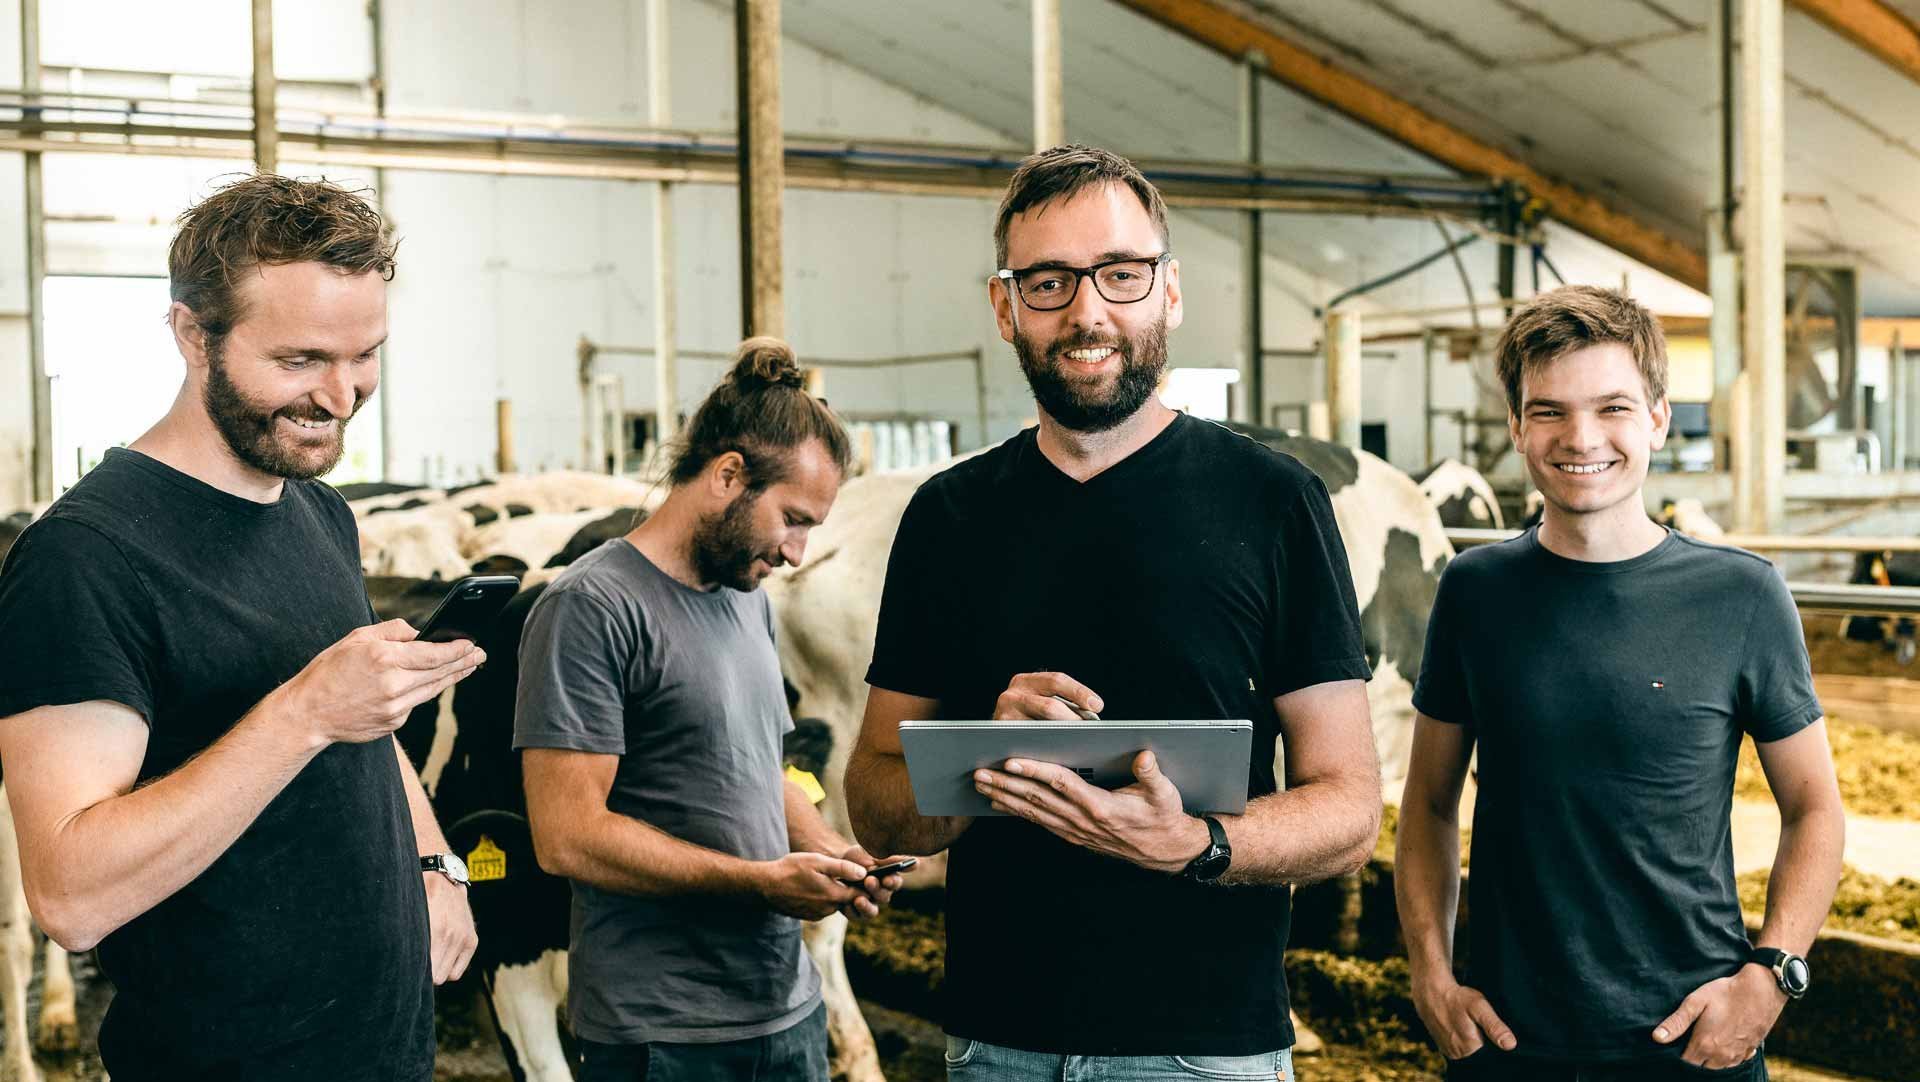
[[1492, 1065], [978, 1061], [795, 1054]]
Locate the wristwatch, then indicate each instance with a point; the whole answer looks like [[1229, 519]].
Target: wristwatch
[[1790, 970], [1212, 862], [448, 865]]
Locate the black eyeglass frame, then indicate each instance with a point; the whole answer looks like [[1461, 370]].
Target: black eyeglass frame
[[1010, 279]]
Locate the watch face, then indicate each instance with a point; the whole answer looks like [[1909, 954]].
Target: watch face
[[1795, 975], [455, 867], [1213, 863]]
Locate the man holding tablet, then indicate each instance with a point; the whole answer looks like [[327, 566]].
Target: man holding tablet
[[1129, 561]]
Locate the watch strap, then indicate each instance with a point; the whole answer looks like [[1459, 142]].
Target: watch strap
[[1215, 858]]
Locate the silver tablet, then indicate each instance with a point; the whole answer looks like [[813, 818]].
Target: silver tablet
[[1205, 760]]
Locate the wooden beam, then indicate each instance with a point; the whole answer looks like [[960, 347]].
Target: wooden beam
[[1873, 26], [762, 167], [1763, 308], [266, 117], [1049, 114], [1214, 24]]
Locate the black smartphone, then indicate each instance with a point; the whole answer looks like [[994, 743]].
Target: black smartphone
[[469, 608], [881, 871]]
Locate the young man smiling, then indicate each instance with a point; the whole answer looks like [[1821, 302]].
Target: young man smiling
[[197, 712], [1607, 670]]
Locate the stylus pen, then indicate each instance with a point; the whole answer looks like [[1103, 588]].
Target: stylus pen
[[1085, 715]]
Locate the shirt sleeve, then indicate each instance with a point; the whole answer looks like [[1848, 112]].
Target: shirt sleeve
[[1440, 692], [76, 624], [1775, 696], [1314, 636], [911, 607], [576, 664]]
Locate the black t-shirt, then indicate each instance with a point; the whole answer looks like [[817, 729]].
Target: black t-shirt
[[302, 951], [1608, 701], [1200, 577]]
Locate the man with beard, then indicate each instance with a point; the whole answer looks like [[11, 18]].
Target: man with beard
[[1125, 560], [196, 721], [650, 713]]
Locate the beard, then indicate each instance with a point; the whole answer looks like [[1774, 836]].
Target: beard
[[725, 546], [1078, 403], [255, 439]]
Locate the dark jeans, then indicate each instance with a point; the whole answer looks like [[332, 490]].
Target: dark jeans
[[1492, 1065], [795, 1054]]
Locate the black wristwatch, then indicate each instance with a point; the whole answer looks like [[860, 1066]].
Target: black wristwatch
[[1212, 862], [1790, 970]]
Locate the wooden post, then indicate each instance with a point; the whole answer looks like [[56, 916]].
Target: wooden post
[[266, 121], [762, 166], [666, 370], [1049, 112], [503, 438], [1343, 377], [1764, 256], [40, 392]]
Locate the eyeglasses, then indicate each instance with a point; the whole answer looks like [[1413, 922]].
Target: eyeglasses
[[1119, 281]]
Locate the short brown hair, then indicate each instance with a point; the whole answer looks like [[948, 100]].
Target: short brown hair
[[1559, 321], [762, 410], [266, 220], [1063, 172]]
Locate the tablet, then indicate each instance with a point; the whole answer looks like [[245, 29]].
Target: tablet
[[1205, 760]]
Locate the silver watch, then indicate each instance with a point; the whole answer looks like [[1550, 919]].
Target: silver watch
[[448, 865]]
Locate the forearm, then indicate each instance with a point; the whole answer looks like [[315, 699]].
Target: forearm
[[120, 857], [1806, 870], [619, 853], [427, 836], [807, 829], [1426, 888], [885, 818], [1319, 830]]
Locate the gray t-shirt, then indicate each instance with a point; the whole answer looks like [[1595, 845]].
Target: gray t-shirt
[[1608, 701], [620, 658]]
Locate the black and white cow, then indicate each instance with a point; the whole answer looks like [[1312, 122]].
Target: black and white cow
[[1885, 569], [1461, 495]]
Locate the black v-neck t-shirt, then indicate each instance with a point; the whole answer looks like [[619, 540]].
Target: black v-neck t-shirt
[[1608, 701], [302, 951], [1200, 577]]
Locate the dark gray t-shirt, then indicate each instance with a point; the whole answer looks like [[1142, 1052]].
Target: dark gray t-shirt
[[620, 658], [1608, 702]]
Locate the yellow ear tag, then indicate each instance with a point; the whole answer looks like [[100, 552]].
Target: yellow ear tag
[[487, 862], [808, 784]]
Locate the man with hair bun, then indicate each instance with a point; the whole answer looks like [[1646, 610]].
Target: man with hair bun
[[1607, 668], [650, 716], [197, 713]]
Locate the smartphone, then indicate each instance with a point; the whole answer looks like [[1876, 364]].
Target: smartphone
[[881, 871], [469, 608]]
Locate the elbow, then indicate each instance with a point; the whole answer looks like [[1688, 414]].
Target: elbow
[[1361, 851], [68, 922], [553, 854]]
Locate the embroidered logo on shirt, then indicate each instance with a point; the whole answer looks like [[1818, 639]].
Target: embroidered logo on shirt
[[1659, 686]]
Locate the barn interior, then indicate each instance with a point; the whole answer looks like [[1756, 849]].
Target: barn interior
[[598, 199]]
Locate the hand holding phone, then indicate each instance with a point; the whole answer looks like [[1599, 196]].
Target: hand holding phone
[[469, 608], [881, 871]]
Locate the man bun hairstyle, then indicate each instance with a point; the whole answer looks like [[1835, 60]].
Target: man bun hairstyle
[[762, 410], [266, 220], [1559, 321]]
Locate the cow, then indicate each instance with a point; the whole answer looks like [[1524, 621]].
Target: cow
[[521, 544], [1461, 495], [1884, 569]]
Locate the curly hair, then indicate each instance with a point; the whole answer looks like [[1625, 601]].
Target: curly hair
[[266, 220]]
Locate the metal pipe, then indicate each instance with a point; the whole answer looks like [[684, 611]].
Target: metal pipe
[[1393, 276], [40, 391], [266, 124], [1253, 250], [666, 313]]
